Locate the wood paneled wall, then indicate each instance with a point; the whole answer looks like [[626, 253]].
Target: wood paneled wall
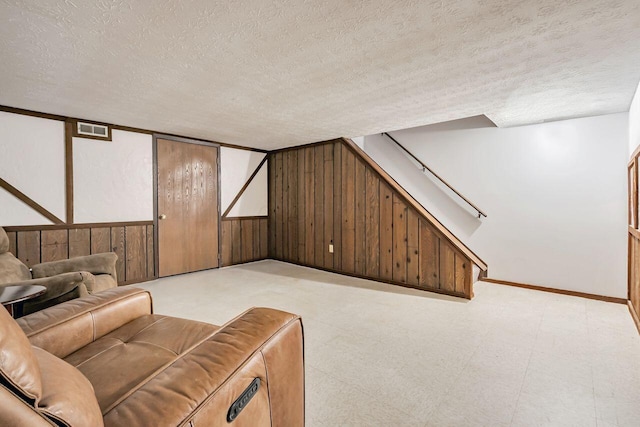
[[244, 239], [133, 242], [326, 194], [633, 273]]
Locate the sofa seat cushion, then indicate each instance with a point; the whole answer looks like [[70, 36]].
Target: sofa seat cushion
[[120, 362]]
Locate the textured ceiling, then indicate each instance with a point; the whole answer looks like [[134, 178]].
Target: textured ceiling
[[274, 73]]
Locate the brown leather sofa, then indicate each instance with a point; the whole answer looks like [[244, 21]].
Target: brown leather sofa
[[64, 280], [106, 359]]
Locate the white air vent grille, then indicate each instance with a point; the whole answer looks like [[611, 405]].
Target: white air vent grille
[[89, 129]]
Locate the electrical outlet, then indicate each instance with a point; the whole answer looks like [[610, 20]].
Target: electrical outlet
[[330, 249]]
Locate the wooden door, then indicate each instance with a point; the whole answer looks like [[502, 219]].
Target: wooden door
[[188, 207]]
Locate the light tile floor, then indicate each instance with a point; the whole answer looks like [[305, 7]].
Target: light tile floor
[[381, 355]]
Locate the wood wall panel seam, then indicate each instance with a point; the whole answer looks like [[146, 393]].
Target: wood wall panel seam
[[29, 202]]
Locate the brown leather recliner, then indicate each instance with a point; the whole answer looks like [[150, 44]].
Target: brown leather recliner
[[106, 359], [64, 280]]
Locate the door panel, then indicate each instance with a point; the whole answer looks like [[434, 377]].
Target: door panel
[[188, 215]]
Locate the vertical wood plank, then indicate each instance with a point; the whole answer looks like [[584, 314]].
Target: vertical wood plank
[[447, 267], [429, 257], [309, 178], [413, 257], [348, 211], [118, 246], [399, 240], [279, 217], [264, 252], [236, 242], [286, 253], [55, 245], [13, 242], [100, 240], [255, 239], [634, 291], [150, 253], [29, 247], [328, 205], [462, 274], [337, 206], [79, 242], [302, 209], [372, 224], [227, 243], [246, 230], [292, 223], [136, 253], [359, 219], [272, 208], [318, 203], [386, 232]]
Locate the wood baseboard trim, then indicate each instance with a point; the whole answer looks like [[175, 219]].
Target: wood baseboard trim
[[133, 282], [557, 291]]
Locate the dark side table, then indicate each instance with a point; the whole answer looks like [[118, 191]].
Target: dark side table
[[13, 297]]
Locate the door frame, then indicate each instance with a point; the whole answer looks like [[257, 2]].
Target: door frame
[[156, 241]]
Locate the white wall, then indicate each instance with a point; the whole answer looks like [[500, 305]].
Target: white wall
[[113, 180], [634, 122], [14, 211], [555, 195], [32, 160], [236, 166]]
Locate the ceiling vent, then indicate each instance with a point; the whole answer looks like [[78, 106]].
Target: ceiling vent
[[93, 130]]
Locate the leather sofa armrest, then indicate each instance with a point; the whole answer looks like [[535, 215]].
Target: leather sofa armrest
[[67, 327], [95, 264], [200, 386]]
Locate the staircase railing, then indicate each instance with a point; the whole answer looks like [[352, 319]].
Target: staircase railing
[[426, 168]]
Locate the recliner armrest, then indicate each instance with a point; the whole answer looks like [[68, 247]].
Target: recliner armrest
[[95, 264], [67, 327], [201, 384], [56, 285]]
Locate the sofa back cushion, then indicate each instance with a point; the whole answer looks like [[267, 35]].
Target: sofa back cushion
[[68, 397], [19, 368], [12, 269]]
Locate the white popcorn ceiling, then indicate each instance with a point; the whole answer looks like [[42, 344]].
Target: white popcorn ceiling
[[275, 73]]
